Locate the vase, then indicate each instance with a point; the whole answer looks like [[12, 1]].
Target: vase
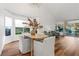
[[33, 32]]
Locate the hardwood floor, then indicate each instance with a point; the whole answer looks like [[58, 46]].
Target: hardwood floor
[[12, 49], [64, 46], [67, 46]]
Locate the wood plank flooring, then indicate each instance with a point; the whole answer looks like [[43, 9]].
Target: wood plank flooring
[[67, 46], [12, 49], [64, 46]]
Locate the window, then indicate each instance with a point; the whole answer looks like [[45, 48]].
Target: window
[[19, 23], [20, 27], [8, 25]]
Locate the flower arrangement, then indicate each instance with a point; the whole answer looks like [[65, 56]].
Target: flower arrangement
[[34, 24]]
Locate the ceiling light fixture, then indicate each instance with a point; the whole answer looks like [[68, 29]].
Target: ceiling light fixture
[[35, 5]]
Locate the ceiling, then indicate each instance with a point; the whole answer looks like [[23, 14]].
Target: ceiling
[[66, 11], [59, 11]]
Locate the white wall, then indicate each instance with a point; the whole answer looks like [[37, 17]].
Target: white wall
[[60, 22], [45, 17], [1, 33]]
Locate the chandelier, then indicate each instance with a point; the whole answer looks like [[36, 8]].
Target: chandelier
[[35, 5]]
